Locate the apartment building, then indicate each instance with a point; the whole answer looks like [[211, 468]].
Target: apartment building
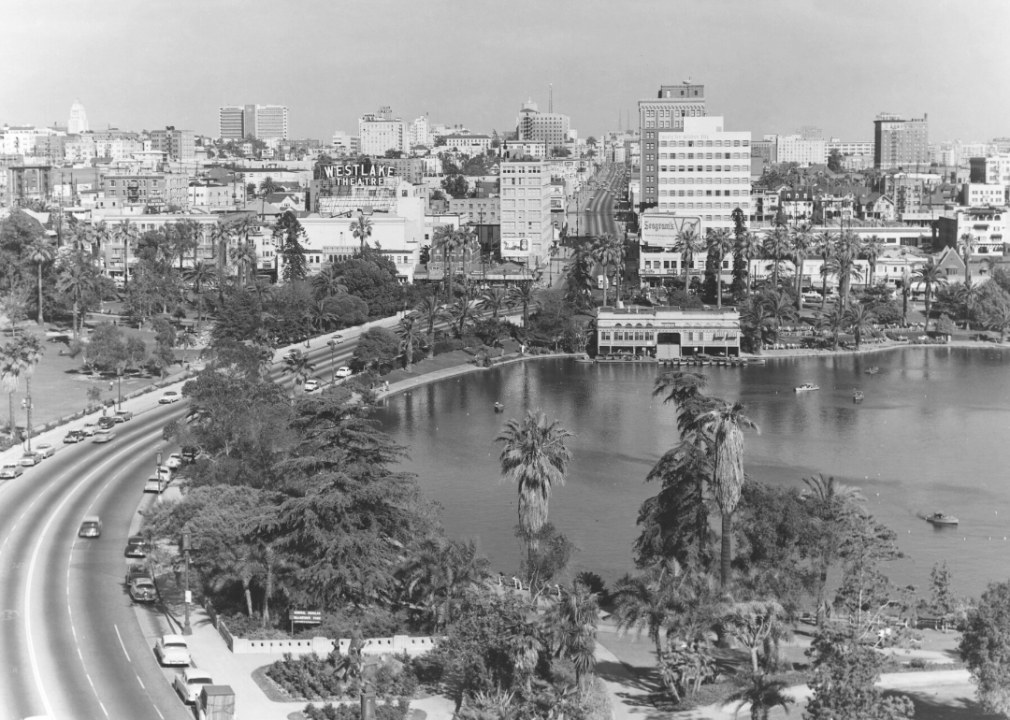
[[900, 143], [667, 111], [526, 229]]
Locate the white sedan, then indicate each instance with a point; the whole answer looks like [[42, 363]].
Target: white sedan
[[169, 397], [189, 682], [172, 650], [174, 461], [311, 385], [45, 450], [344, 372], [11, 471]]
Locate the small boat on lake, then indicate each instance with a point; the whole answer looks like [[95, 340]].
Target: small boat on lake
[[941, 519], [498, 407], [872, 370], [805, 387], [857, 396]]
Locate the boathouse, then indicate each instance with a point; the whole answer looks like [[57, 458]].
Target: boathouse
[[667, 332]]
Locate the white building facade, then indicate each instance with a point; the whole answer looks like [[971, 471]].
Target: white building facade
[[526, 229]]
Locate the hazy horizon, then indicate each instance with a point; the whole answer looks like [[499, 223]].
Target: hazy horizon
[[767, 67]]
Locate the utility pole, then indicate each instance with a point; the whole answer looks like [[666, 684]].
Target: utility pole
[[186, 628]]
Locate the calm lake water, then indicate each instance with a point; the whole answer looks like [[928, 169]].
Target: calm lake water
[[933, 434]]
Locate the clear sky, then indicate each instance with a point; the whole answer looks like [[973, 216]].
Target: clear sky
[[769, 66]]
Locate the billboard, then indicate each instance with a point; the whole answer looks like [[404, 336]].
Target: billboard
[[514, 246], [354, 173], [659, 230]]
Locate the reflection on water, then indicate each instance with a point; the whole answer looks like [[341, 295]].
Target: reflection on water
[[933, 434]]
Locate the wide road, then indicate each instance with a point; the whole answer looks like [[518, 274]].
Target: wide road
[[596, 207], [72, 644]]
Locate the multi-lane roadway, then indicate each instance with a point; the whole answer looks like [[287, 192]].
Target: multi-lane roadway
[[73, 644], [596, 207]]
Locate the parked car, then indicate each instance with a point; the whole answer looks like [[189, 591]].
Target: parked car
[[11, 471], [174, 461], [169, 397], [91, 527], [136, 547], [172, 650], [311, 384], [344, 372], [165, 472], [74, 436], [137, 570], [30, 459], [106, 422], [104, 436], [156, 484], [122, 416], [45, 450], [189, 682], [142, 590]]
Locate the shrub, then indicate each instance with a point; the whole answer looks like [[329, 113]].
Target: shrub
[[428, 668], [447, 345], [917, 663], [387, 711]]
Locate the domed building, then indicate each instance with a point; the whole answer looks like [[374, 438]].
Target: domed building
[[78, 119]]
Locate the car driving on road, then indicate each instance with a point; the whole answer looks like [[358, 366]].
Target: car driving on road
[[189, 682], [91, 527], [11, 471], [105, 423], [169, 397], [104, 436], [74, 436], [311, 385], [30, 459], [172, 650]]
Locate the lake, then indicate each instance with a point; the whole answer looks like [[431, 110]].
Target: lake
[[933, 434]]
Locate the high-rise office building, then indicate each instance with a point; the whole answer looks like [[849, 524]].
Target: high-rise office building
[[237, 122], [667, 111], [526, 228], [900, 143], [550, 127], [78, 119]]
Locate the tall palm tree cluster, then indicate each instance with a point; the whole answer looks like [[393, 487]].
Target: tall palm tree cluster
[[18, 359]]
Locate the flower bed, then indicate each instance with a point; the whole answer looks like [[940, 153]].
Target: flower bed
[[310, 677], [387, 711]]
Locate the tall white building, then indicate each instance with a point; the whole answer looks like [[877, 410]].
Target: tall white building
[[78, 122], [379, 133], [420, 131], [704, 171], [526, 229], [800, 150], [237, 122]]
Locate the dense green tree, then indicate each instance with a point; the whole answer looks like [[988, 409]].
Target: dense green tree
[[376, 346], [985, 648], [455, 186], [579, 280], [440, 574], [288, 235], [371, 277]]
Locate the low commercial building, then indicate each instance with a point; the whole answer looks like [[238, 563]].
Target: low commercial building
[[667, 332]]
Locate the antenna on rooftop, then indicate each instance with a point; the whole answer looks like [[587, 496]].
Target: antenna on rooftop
[[550, 98]]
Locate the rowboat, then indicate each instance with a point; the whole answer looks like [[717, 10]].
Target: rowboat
[[942, 519], [857, 396], [873, 370], [807, 386]]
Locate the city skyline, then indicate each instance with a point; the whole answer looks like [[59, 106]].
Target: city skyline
[[767, 68]]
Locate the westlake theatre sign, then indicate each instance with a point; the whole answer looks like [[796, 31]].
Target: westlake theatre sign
[[349, 174]]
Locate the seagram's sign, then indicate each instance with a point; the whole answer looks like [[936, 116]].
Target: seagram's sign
[[663, 230]]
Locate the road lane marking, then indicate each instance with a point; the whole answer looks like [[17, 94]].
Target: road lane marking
[[29, 635], [103, 708], [122, 644], [141, 682], [159, 712]]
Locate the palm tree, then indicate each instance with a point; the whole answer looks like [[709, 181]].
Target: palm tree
[[757, 321], [321, 316], [12, 367], [802, 242], [726, 424], [447, 240], [524, 295], [428, 312], [825, 250], [763, 694], [610, 252], [328, 282], [688, 243], [832, 322], [493, 300], [268, 186], [200, 275], [221, 237], [780, 305], [127, 233], [997, 318], [40, 252], [240, 232], [720, 242], [967, 294], [859, 319], [968, 243], [441, 573], [410, 336], [245, 257], [571, 626], [361, 230], [872, 248], [844, 265], [579, 270], [929, 275], [184, 237], [29, 349], [748, 246], [299, 367], [777, 247], [77, 278], [830, 504], [535, 458]]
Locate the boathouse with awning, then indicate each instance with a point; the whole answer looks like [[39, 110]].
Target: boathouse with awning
[[665, 333]]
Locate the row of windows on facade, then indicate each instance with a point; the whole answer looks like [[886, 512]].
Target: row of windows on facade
[[709, 218], [673, 265], [701, 156], [675, 110], [535, 226], [705, 168], [646, 336]]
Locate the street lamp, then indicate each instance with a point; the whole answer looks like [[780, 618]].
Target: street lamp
[[157, 471], [333, 370], [119, 376], [186, 628]]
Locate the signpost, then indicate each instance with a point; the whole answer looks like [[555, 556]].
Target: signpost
[[304, 617]]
